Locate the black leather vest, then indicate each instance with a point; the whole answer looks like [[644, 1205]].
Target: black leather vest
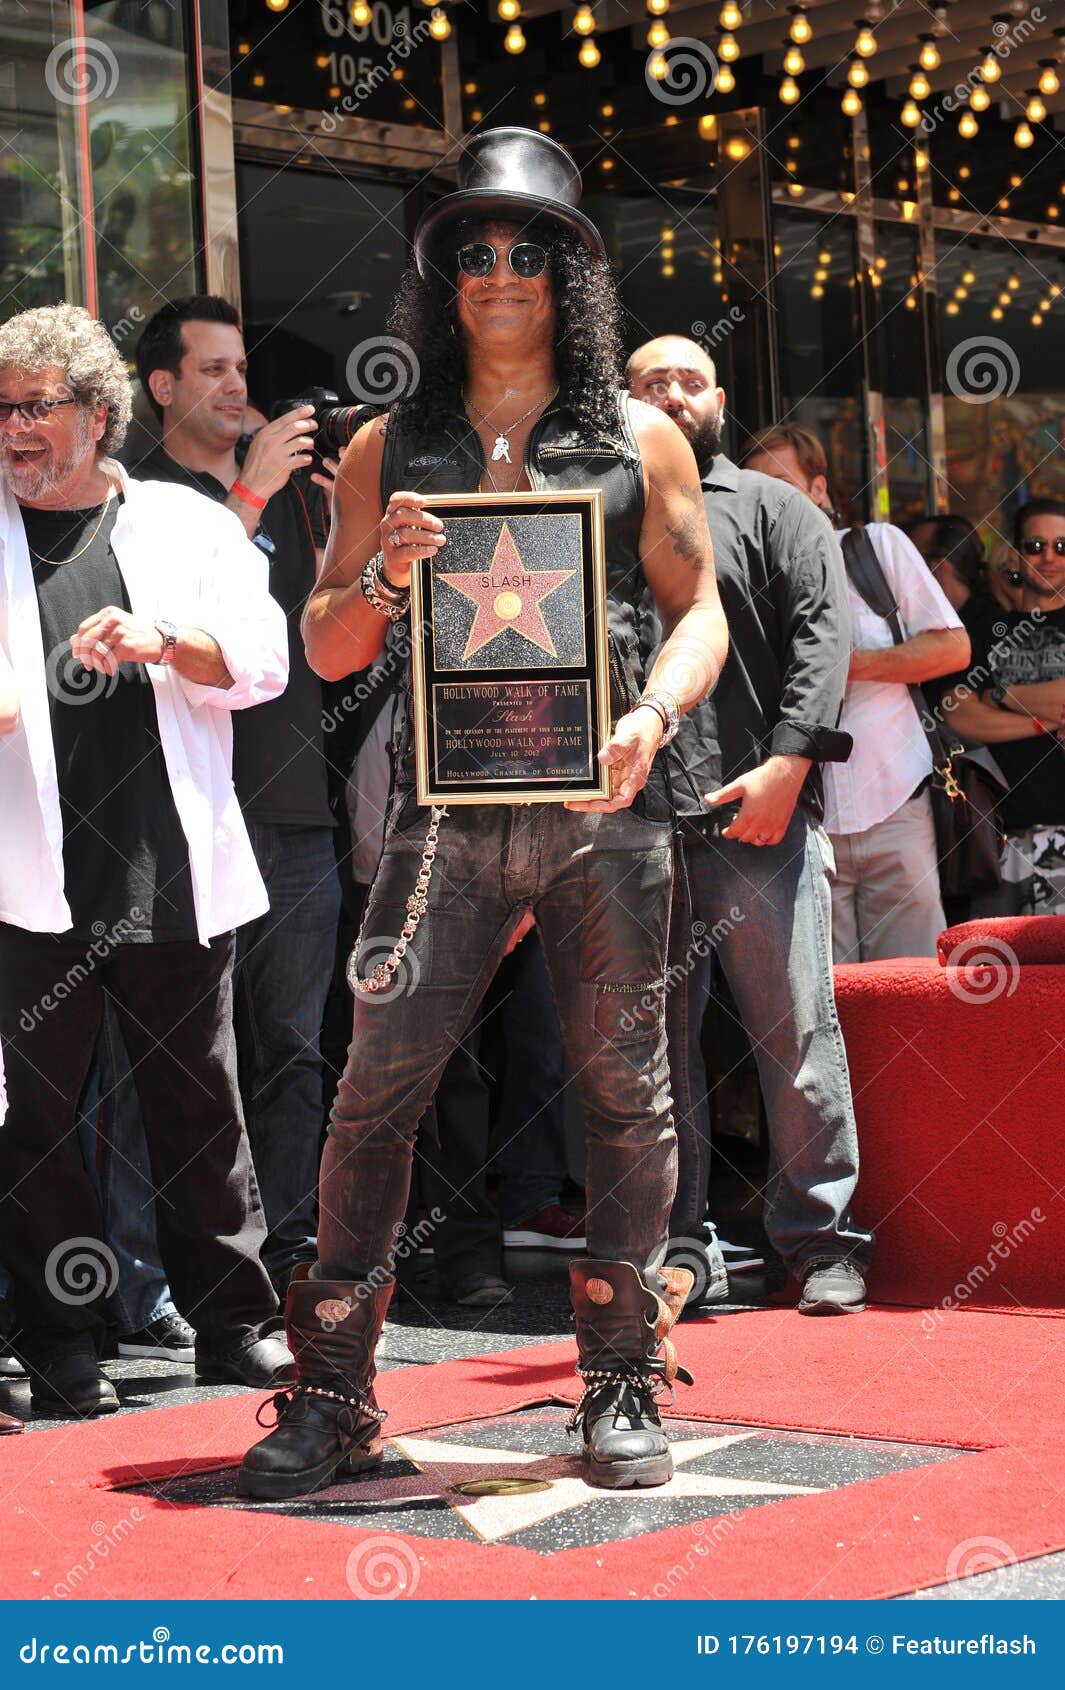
[[560, 454]]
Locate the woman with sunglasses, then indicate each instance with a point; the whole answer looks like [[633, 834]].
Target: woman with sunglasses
[[1013, 699]]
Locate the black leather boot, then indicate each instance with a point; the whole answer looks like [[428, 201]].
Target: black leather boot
[[620, 1325], [328, 1424], [66, 1380]]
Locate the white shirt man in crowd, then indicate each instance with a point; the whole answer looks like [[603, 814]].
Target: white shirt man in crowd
[[135, 618], [878, 810]]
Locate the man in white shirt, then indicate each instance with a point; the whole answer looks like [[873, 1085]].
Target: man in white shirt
[[136, 618], [878, 808]]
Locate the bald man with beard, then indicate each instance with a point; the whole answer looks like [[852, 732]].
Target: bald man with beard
[[746, 781]]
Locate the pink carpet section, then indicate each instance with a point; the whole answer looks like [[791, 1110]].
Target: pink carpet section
[[958, 1077], [979, 1381]]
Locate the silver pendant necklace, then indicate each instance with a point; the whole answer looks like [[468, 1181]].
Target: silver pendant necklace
[[501, 448]]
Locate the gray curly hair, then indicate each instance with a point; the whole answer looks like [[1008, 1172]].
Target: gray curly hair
[[95, 372]]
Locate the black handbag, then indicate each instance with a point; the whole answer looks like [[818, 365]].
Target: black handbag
[[967, 785]]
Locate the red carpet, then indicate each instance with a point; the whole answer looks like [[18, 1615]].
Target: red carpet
[[979, 1381], [958, 1075]]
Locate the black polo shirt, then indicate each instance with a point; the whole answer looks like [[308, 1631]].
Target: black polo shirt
[[784, 592], [278, 764]]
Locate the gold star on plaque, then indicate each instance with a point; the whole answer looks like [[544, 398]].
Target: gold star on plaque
[[508, 596]]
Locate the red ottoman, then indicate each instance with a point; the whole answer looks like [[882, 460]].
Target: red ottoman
[[959, 1090]]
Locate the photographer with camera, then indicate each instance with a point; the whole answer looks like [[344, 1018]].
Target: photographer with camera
[[193, 368]]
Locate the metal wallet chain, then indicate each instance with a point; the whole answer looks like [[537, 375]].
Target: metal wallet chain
[[380, 977]]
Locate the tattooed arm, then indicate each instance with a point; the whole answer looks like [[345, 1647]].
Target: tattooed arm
[[678, 562]]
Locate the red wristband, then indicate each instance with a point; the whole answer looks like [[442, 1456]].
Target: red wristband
[[248, 496], [1039, 726]]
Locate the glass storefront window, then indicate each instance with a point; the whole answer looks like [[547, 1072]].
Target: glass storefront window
[[97, 185], [1003, 376], [40, 189], [902, 372], [819, 343]]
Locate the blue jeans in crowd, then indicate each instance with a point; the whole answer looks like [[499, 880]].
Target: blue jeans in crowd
[[115, 1151], [767, 912], [281, 976], [599, 885]]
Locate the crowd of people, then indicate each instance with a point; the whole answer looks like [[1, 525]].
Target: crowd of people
[[206, 775]]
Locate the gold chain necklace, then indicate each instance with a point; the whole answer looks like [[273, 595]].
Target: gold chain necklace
[[56, 562]]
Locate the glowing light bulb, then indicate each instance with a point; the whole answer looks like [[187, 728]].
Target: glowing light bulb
[[708, 126], [509, 10], [1035, 111], [590, 55], [789, 91], [277, 5], [1013, 283], [540, 99], [658, 34], [961, 292], [584, 20], [929, 57], [910, 115], [658, 8], [968, 277], [726, 82], [731, 16], [851, 103], [1037, 319], [728, 49], [952, 308], [737, 147], [817, 291], [1022, 135], [800, 31], [968, 126], [990, 69], [439, 26], [865, 45], [996, 313], [979, 99], [514, 39], [857, 74], [1049, 81], [361, 13], [920, 87]]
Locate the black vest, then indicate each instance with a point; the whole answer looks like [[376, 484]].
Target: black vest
[[560, 454]]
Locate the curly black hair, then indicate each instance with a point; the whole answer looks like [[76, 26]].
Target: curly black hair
[[588, 346]]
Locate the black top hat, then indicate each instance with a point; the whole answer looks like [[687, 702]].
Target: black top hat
[[512, 172]]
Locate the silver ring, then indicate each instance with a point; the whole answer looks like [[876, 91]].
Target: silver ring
[[760, 838]]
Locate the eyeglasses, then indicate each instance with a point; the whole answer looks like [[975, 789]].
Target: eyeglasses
[[525, 259], [1034, 546], [34, 410]]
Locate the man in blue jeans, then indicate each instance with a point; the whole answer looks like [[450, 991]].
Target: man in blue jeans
[[752, 879], [193, 368]]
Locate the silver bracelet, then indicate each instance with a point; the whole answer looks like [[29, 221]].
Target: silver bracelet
[[381, 595], [664, 705]]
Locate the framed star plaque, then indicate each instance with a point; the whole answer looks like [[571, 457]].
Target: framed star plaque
[[510, 650]]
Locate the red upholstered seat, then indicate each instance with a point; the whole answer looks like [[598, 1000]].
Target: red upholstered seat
[[959, 1090]]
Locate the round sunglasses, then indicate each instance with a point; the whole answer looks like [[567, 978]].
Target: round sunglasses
[[478, 258], [1033, 545]]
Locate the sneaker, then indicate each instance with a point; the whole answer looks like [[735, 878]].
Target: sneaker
[[480, 1291], [170, 1338], [741, 1258], [549, 1229], [831, 1287]]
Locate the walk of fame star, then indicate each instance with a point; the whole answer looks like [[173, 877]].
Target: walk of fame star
[[508, 596], [445, 1465]]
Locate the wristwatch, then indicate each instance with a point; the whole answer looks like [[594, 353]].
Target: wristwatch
[[997, 695], [169, 633]]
